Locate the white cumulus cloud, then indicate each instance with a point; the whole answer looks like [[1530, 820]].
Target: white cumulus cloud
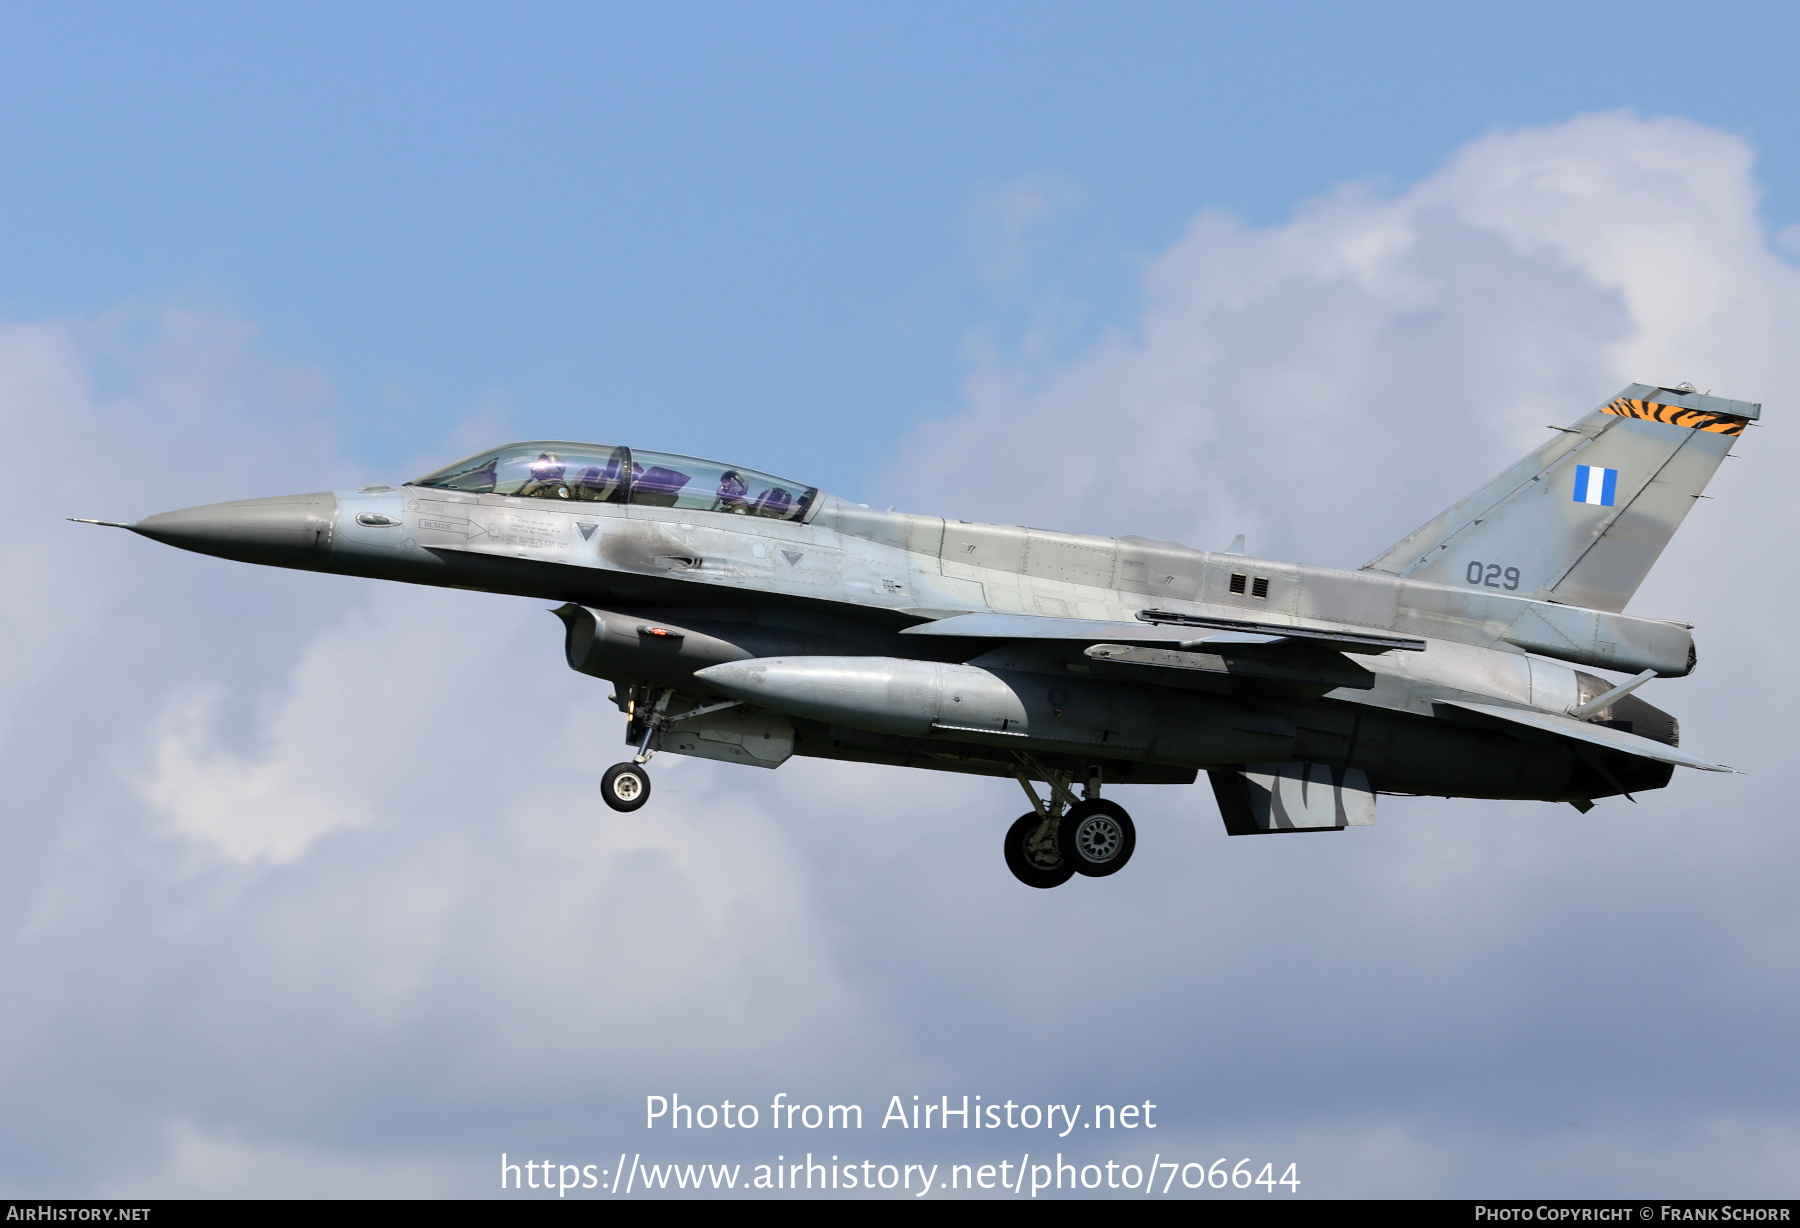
[[1328, 383], [301, 872]]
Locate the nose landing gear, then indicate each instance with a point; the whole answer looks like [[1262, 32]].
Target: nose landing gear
[[626, 786], [1063, 836]]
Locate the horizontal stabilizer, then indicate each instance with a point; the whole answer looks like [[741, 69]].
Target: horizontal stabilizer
[[1594, 735]]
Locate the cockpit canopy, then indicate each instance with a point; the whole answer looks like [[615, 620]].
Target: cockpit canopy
[[595, 473]]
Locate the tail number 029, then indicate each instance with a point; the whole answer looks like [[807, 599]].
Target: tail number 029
[[1491, 575]]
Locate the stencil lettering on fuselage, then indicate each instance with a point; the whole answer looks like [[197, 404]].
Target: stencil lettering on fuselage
[[442, 523], [513, 531]]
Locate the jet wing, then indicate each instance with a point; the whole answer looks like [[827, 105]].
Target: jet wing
[[1594, 735], [1162, 627]]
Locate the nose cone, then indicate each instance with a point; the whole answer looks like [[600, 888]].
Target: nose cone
[[288, 531]]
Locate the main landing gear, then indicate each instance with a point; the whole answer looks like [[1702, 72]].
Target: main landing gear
[[1064, 836], [1032, 853]]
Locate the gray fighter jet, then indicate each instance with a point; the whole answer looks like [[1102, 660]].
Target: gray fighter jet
[[745, 618]]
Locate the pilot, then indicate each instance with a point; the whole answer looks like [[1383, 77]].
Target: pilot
[[546, 478], [734, 493]]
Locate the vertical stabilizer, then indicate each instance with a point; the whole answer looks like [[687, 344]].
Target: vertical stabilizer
[[1581, 520]]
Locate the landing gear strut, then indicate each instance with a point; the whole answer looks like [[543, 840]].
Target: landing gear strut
[[626, 786], [1063, 836]]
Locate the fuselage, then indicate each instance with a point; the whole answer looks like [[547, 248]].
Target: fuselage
[[855, 591]]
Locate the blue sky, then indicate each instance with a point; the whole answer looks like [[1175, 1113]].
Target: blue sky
[[304, 885], [747, 221]]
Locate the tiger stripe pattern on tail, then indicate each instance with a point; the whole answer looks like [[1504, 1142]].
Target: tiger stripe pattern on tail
[[1675, 415]]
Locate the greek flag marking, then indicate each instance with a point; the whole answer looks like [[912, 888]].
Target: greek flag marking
[[1595, 485]]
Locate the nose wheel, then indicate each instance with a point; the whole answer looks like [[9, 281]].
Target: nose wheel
[[625, 787]]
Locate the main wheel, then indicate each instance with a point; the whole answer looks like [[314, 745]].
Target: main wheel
[[625, 787], [1097, 838], [1040, 867]]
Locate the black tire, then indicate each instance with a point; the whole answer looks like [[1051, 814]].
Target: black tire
[[1096, 838], [625, 787], [1027, 868]]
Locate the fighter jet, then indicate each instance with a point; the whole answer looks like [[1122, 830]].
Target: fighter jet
[[745, 618]]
